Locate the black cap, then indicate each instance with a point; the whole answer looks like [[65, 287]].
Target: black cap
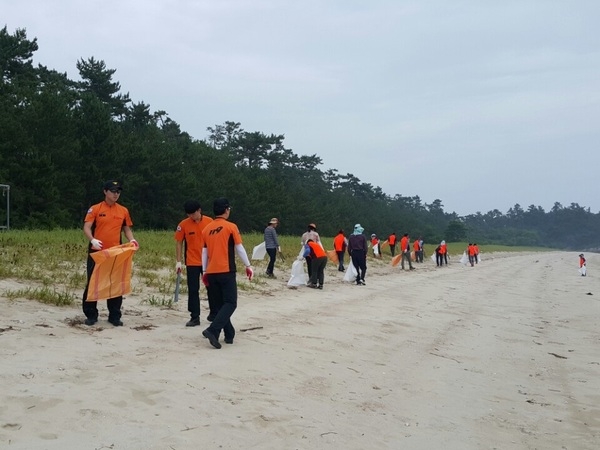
[[113, 184], [220, 205]]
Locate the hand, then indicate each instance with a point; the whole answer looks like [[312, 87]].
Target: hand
[[205, 279], [135, 243], [279, 249], [178, 267], [249, 273], [96, 244]]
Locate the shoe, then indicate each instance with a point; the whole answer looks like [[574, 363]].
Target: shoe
[[116, 323], [362, 282], [412, 268], [211, 338], [341, 269], [320, 286], [229, 341], [314, 286], [271, 275], [89, 321], [210, 317], [193, 323]]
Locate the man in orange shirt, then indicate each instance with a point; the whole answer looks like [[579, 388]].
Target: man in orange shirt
[[319, 261], [188, 244], [102, 226], [405, 249], [222, 241], [392, 243], [339, 244]]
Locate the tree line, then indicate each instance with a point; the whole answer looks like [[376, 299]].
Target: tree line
[[62, 138]]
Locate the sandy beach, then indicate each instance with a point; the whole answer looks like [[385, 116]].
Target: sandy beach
[[504, 355]]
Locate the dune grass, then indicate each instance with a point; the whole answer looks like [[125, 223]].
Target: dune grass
[[52, 263]]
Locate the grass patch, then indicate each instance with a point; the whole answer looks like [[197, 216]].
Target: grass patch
[[44, 295]]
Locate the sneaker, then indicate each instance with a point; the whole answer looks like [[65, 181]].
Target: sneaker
[[193, 323], [412, 268], [116, 323], [211, 338], [89, 321], [314, 286], [320, 286], [210, 317], [362, 282], [229, 341]]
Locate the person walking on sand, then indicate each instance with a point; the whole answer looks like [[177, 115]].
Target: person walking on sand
[[103, 225], [471, 252], [222, 241], [405, 249], [444, 252], [392, 243], [339, 245], [319, 261], [188, 251], [272, 245], [582, 265], [310, 233], [357, 249]]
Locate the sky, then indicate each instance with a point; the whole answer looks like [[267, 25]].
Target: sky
[[481, 104]]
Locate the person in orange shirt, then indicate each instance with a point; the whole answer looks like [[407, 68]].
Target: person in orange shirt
[[471, 252], [582, 265], [392, 243], [416, 248], [376, 246], [476, 252], [222, 241], [319, 261], [103, 225], [188, 250], [444, 252], [339, 245], [405, 249]]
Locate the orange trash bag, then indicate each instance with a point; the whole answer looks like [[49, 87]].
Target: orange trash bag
[[111, 276]]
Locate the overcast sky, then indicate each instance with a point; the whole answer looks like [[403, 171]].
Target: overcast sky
[[481, 104]]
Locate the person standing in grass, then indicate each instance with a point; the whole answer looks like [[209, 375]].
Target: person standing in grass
[[188, 250], [272, 245], [103, 225], [222, 241]]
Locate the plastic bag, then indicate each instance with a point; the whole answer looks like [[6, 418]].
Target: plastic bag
[[259, 251], [351, 273], [298, 278]]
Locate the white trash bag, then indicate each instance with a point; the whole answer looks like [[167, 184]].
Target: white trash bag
[[464, 259], [298, 278], [259, 252], [351, 273]]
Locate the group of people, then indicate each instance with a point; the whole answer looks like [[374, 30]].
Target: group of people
[[206, 246], [473, 253]]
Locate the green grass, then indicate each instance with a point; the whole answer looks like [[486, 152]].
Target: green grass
[[53, 263]]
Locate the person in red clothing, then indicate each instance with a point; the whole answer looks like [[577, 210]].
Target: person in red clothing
[[471, 252], [188, 249], [339, 245], [443, 252], [392, 243], [582, 265], [376, 246], [222, 241], [476, 252], [405, 249], [319, 261], [416, 248], [103, 225]]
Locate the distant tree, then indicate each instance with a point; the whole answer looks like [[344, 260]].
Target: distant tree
[[455, 231]]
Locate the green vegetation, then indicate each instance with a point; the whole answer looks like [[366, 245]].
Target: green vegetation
[[62, 138]]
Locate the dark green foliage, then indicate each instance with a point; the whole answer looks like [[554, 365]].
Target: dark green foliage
[[61, 139]]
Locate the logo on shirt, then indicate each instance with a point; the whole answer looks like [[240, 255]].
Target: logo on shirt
[[216, 230]]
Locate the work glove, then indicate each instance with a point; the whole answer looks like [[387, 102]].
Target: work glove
[[96, 244], [134, 242], [178, 267], [249, 273], [205, 279]]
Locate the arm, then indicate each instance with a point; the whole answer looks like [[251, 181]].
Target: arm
[[128, 233], [178, 250], [241, 252], [87, 230]]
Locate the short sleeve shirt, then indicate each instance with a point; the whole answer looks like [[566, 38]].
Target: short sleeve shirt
[[190, 233], [220, 238], [108, 221]]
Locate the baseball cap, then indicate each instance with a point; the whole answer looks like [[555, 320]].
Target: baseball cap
[[220, 205], [113, 184]]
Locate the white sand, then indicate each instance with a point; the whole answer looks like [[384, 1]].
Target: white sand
[[505, 355]]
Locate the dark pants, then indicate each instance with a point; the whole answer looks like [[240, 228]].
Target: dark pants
[[317, 275], [223, 290], [393, 249], [193, 283], [359, 260], [308, 260], [90, 309], [472, 259], [406, 257], [438, 258], [341, 260], [272, 252]]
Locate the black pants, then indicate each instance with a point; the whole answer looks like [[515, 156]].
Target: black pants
[[308, 260], [90, 309], [193, 283], [340, 256], [317, 275], [393, 250], [438, 258], [359, 260], [272, 252], [223, 290]]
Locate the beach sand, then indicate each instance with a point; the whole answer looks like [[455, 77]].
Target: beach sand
[[504, 355]]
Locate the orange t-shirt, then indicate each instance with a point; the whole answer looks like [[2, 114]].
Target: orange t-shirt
[[190, 233], [443, 249], [472, 251], [404, 244], [108, 221], [339, 243], [416, 246], [220, 238], [392, 239]]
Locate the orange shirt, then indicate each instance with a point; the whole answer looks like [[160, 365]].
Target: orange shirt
[[190, 233], [416, 246], [316, 249], [392, 239], [404, 244], [220, 238], [471, 250], [339, 243], [443, 249], [108, 221]]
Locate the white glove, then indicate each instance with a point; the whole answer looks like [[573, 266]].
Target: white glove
[[96, 244], [178, 267], [134, 242], [279, 249]]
